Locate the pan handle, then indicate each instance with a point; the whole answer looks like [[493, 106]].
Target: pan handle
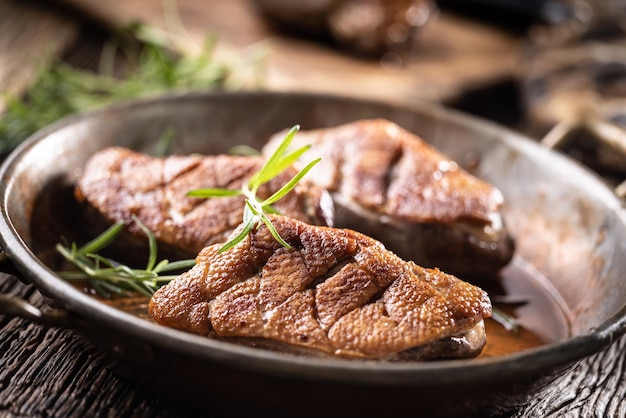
[[7, 267], [607, 138], [16, 307]]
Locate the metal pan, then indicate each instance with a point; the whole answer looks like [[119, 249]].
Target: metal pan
[[569, 226]]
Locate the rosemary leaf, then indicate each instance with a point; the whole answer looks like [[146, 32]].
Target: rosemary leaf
[[270, 168], [507, 321], [107, 276], [244, 150], [174, 266], [240, 237], [102, 240], [164, 143], [273, 231], [255, 210], [290, 184], [207, 193], [249, 213], [152, 243]]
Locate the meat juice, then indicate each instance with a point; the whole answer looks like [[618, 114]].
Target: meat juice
[[522, 292], [528, 296]]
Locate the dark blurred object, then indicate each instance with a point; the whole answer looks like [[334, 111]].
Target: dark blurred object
[[576, 100], [512, 15], [596, 138], [369, 28], [570, 70], [573, 87], [498, 101], [606, 20], [564, 83]]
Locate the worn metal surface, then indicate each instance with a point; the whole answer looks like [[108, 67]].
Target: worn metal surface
[[568, 225]]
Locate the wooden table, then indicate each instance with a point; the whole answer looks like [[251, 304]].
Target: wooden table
[[56, 372], [451, 55]]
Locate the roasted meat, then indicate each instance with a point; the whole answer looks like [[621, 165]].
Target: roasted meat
[[369, 28], [120, 183], [335, 291], [389, 184]]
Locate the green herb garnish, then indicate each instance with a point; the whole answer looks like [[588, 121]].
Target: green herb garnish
[[256, 210], [505, 320], [137, 62], [108, 277]]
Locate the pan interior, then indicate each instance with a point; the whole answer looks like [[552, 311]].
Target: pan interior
[[565, 276]]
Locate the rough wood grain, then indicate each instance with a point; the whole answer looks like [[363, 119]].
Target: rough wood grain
[[47, 372], [452, 54], [58, 373], [595, 388], [29, 34]]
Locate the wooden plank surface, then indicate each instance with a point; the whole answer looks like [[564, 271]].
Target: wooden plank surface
[[28, 37], [451, 55], [48, 372]]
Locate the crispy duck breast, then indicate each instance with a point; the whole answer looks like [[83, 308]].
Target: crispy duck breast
[[389, 184], [120, 183], [335, 291]]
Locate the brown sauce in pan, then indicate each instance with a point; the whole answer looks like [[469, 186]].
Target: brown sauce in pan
[[527, 294], [529, 297]]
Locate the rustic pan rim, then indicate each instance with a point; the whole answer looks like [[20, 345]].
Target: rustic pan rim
[[82, 307]]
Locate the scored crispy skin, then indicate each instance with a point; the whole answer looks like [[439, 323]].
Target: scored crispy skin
[[335, 290], [119, 183], [388, 183], [391, 170]]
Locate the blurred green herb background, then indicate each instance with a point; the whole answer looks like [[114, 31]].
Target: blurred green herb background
[[134, 62]]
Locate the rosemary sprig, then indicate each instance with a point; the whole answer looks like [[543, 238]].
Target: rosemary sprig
[[149, 65], [108, 277], [256, 210], [507, 321]]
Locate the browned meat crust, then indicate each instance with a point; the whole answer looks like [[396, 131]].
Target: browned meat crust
[[389, 184], [336, 291], [120, 183], [368, 28]]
